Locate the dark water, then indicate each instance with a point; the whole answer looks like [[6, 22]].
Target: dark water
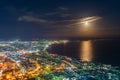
[[102, 51]]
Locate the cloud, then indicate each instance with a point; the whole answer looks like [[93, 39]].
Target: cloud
[[59, 14], [63, 8], [65, 15], [71, 22], [90, 19], [60, 22], [32, 19], [51, 13]]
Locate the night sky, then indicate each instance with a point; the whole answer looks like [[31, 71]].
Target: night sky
[[58, 19]]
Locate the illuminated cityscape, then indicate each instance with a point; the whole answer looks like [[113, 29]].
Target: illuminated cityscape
[[29, 60], [59, 39]]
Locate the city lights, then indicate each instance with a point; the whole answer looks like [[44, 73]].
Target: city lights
[[32, 62]]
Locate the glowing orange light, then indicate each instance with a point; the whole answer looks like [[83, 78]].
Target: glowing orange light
[[86, 51]]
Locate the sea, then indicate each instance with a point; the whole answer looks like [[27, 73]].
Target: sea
[[104, 51]]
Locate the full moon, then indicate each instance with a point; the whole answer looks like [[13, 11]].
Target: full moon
[[88, 20], [86, 23]]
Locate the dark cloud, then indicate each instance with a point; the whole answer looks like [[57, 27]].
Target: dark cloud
[[59, 23], [63, 8], [65, 15], [51, 13], [32, 19]]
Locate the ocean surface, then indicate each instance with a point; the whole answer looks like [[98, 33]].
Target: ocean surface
[[100, 51]]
